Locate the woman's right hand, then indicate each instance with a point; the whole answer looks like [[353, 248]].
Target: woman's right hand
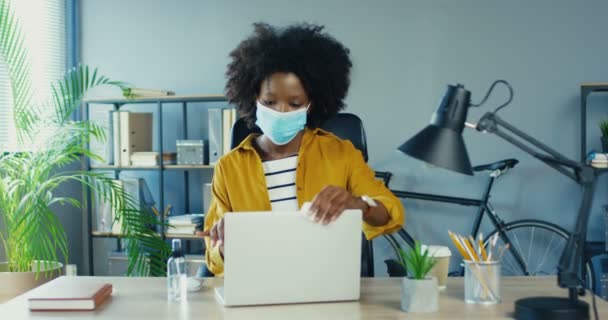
[[215, 234]]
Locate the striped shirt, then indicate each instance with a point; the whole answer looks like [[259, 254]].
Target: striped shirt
[[281, 183]]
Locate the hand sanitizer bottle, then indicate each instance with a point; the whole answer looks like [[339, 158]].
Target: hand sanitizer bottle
[[177, 286]]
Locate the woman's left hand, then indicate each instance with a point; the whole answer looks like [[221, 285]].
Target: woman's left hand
[[329, 204]]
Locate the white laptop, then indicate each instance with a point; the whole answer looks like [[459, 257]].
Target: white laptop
[[284, 257]]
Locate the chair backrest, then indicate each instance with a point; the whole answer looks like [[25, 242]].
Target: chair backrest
[[348, 126], [344, 125]]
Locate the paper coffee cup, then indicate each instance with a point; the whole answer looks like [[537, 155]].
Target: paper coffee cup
[[440, 270]]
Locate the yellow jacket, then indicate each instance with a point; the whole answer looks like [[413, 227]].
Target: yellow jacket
[[324, 159]]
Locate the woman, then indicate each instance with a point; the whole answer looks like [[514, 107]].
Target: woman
[[288, 81]]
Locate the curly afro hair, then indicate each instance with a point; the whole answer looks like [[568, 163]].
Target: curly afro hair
[[321, 63]]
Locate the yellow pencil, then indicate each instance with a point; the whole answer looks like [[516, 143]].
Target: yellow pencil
[[483, 250], [458, 246], [470, 247]]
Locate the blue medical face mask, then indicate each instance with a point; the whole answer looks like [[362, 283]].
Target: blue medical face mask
[[280, 127]]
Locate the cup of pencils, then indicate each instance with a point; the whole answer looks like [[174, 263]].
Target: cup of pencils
[[481, 268]]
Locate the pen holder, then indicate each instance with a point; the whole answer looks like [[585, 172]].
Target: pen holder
[[481, 282]]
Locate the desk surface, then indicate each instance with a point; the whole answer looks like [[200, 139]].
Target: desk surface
[[145, 298]]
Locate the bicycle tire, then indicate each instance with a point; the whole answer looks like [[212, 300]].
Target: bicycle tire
[[537, 247]]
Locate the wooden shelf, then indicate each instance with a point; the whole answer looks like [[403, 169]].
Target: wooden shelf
[[187, 167], [594, 84], [110, 167], [103, 234], [181, 236], [165, 167], [164, 99]]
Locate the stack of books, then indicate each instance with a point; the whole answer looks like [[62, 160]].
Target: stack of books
[[144, 159], [598, 160], [184, 224], [151, 159]]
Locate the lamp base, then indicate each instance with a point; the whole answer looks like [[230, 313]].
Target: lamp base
[[550, 308]]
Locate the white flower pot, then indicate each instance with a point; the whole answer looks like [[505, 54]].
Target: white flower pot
[[13, 284], [419, 295]]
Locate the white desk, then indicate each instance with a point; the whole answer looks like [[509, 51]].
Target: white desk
[[145, 298]]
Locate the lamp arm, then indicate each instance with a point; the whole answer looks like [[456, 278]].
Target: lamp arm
[[492, 123], [571, 260]]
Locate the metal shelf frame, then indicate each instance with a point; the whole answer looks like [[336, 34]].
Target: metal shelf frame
[[159, 103]]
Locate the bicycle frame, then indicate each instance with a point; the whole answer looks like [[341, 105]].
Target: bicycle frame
[[483, 209]]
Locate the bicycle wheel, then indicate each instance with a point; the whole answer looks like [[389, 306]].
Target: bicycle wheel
[[539, 244]]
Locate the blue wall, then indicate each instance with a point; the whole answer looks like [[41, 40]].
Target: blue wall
[[404, 53]]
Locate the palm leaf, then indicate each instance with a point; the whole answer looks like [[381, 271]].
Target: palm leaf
[[14, 53], [72, 89]]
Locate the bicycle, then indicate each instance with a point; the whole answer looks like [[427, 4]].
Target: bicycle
[[535, 245]]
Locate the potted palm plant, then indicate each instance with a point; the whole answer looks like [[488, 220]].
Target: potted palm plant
[[604, 129], [419, 293], [33, 239]]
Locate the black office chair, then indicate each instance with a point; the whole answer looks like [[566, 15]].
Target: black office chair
[[346, 126]]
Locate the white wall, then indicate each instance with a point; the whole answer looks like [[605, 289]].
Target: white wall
[[404, 53]]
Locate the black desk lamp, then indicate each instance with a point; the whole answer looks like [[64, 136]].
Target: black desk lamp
[[441, 144]]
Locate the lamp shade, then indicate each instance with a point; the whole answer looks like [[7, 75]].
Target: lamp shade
[[441, 142]]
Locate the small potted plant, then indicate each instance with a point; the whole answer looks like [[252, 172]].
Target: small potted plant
[[419, 293], [604, 128]]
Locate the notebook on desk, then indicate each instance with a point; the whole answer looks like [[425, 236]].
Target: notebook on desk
[[69, 294], [283, 257]]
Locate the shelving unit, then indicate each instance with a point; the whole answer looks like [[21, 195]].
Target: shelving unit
[[160, 103], [586, 89], [594, 248], [102, 234]]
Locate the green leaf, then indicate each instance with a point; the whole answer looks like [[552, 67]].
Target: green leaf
[[604, 128], [417, 262]]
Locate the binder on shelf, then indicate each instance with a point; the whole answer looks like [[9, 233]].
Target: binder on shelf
[[220, 132], [116, 225], [103, 118], [142, 198], [103, 214], [226, 126], [135, 134], [216, 144], [206, 197], [147, 203], [140, 193], [131, 187], [115, 134], [109, 143]]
